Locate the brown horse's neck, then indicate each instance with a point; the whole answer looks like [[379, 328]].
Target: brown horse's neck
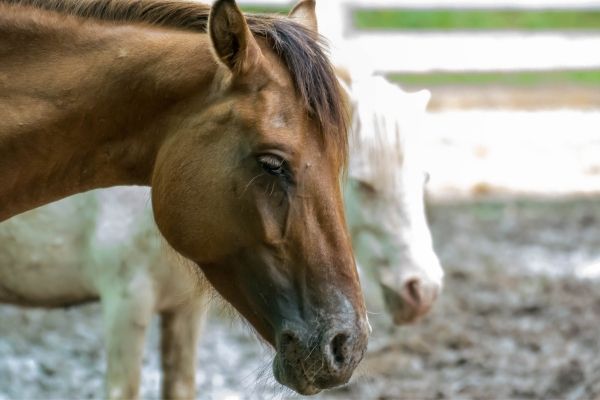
[[84, 106]]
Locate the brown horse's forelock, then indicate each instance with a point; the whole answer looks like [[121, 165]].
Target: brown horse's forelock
[[301, 50]]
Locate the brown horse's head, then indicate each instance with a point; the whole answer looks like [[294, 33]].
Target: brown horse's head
[[249, 188]]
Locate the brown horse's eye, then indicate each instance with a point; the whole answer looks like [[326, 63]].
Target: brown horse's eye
[[272, 164]]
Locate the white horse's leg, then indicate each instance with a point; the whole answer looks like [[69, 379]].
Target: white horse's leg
[[180, 332], [127, 315]]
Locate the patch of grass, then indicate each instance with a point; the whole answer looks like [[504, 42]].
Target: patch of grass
[[265, 9], [525, 78], [535, 20]]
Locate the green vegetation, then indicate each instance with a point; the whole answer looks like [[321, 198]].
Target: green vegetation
[[470, 19], [473, 19], [529, 78], [405, 19], [265, 9]]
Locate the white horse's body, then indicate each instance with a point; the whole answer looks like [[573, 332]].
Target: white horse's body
[[104, 245]]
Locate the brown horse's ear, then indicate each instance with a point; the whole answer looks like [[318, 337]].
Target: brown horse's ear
[[304, 13], [231, 37]]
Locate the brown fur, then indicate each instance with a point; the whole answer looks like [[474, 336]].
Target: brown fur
[[302, 52], [104, 93]]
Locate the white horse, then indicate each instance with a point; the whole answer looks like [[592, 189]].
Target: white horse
[[104, 245], [385, 199]]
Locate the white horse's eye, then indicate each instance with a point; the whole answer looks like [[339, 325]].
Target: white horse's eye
[[367, 188]]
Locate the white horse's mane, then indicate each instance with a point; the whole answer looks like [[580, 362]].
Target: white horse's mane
[[385, 124]]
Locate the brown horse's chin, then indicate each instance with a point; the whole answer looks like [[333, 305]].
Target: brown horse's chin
[[298, 384]]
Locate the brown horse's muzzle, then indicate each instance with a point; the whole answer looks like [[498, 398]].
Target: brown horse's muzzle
[[310, 359]]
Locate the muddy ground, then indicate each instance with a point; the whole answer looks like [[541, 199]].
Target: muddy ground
[[516, 320], [513, 322]]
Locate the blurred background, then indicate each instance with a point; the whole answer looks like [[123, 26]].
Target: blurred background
[[512, 145]]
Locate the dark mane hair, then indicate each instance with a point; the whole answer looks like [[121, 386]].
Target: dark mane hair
[[301, 50]]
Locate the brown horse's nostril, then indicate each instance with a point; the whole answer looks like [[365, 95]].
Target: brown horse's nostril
[[339, 349], [312, 361], [338, 352], [287, 338], [290, 344]]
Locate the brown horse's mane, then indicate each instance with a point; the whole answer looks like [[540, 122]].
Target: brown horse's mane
[[301, 50]]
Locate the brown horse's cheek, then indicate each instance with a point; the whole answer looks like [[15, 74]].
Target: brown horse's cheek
[[272, 211]]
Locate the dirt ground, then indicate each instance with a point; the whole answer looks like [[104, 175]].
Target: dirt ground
[[519, 98], [514, 321]]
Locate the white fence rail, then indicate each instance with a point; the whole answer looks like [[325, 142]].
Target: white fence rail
[[455, 51], [531, 4], [475, 52]]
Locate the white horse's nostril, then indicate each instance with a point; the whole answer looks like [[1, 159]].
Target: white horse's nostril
[[413, 291]]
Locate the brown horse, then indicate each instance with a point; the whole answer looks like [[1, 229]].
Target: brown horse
[[238, 125]]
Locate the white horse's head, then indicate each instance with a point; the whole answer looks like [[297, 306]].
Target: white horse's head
[[384, 198]]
